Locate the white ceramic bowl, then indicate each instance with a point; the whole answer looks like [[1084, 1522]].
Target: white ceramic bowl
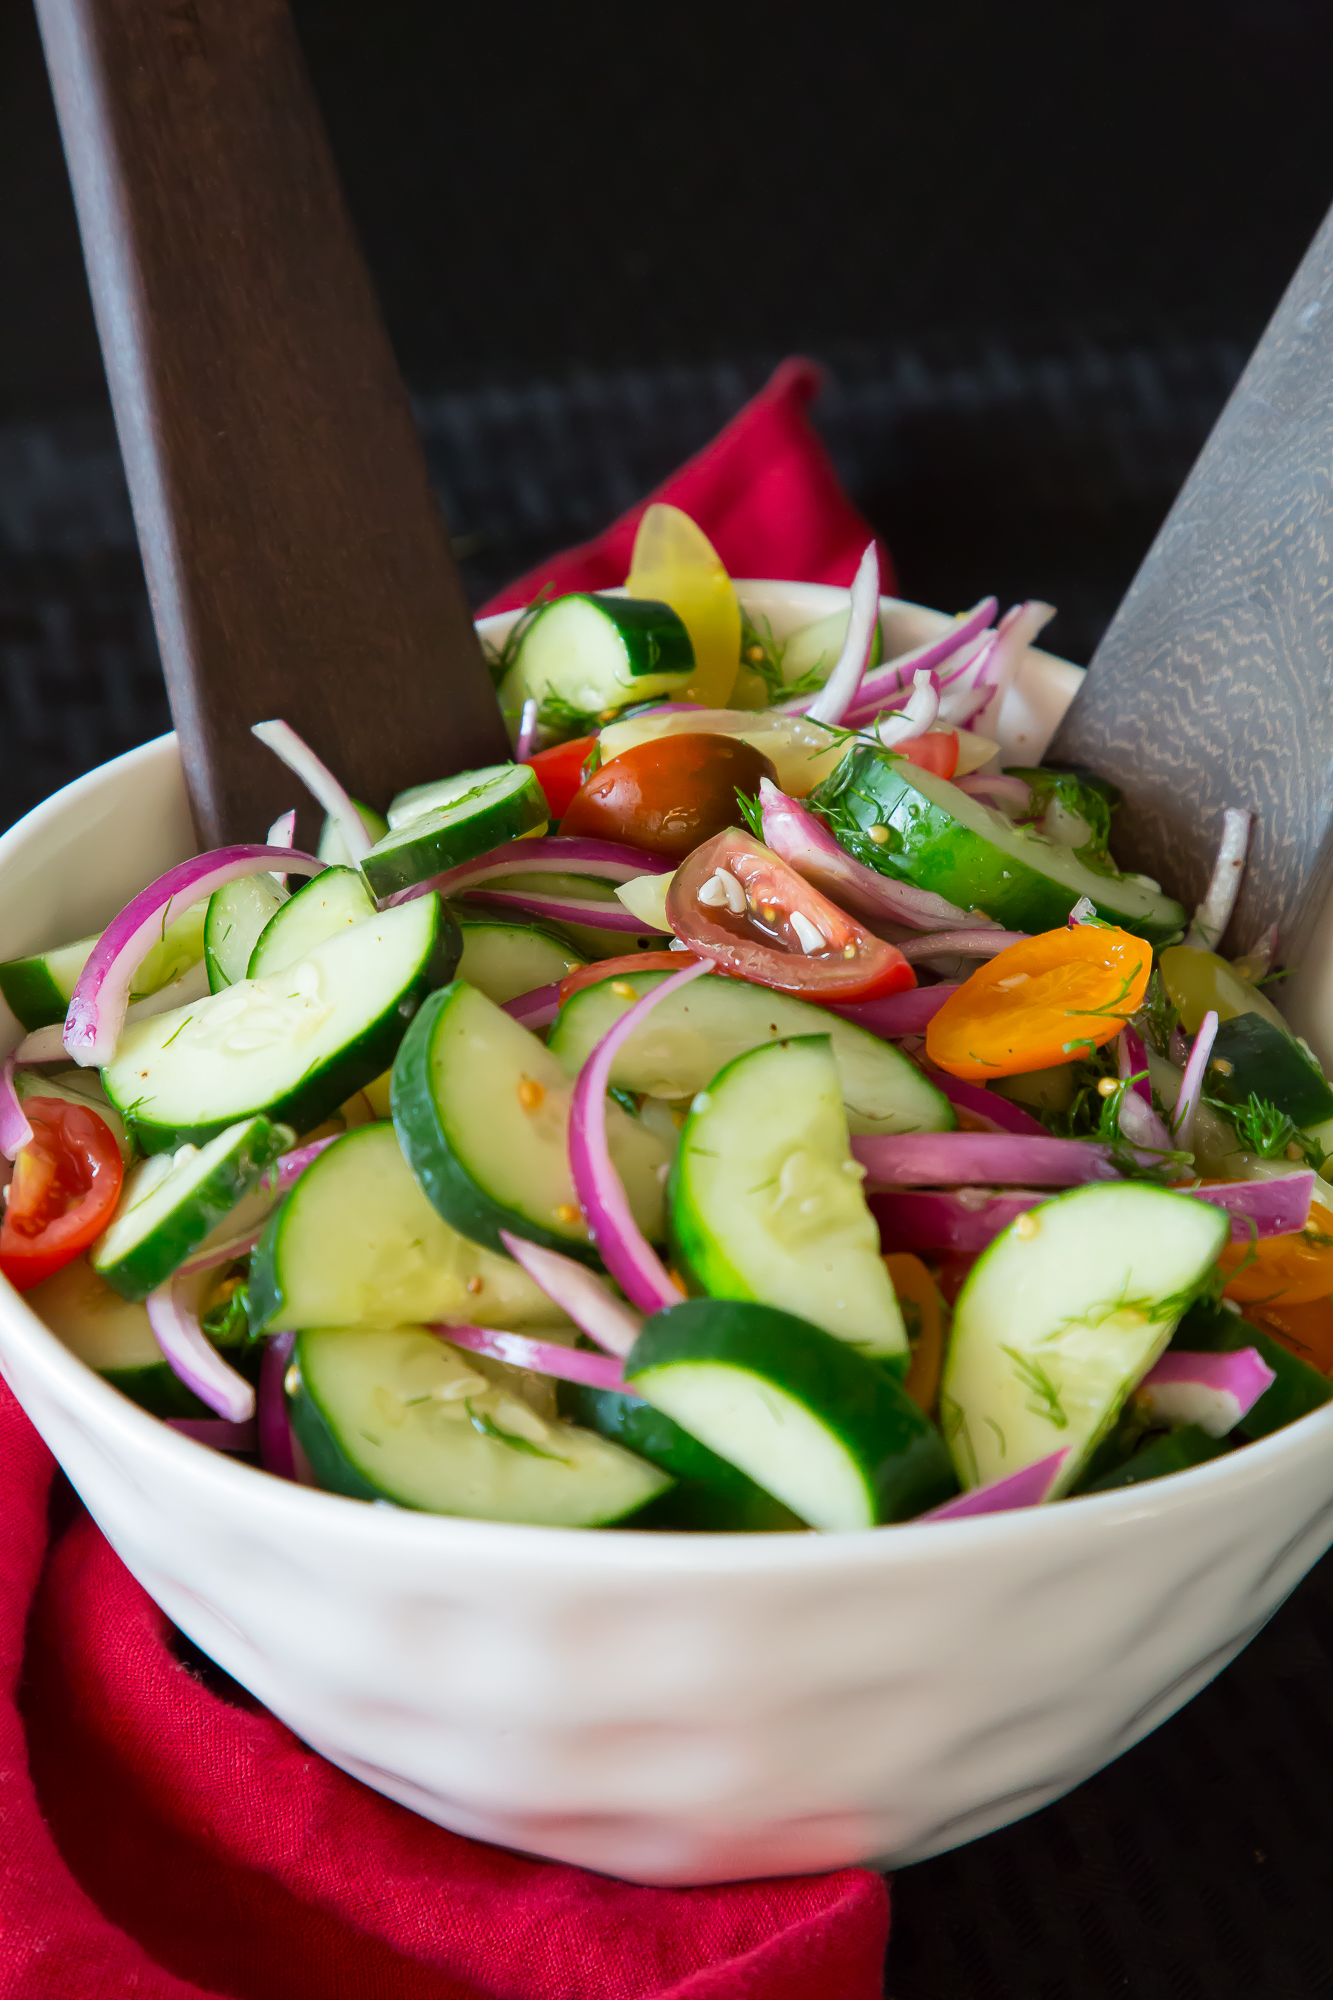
[[668, 1708]]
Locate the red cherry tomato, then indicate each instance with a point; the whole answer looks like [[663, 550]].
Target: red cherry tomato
[[786, 935], [616, 968], [669, 794], [559, 771], [66, 1184], [936, 751]]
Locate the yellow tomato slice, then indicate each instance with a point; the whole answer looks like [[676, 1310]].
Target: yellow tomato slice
[[675, 563], [1041, 1003], [1284, 1270]]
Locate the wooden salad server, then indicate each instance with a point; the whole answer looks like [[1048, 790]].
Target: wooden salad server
[[297, 562], [1213, 685]]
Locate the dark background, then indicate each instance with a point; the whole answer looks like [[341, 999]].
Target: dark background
[[1034, 242]]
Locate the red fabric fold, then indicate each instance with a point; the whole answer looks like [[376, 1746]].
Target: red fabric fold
[[764, 492]]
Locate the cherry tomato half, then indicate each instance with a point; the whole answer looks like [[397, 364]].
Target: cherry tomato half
[[616, 968], [668, 794], [936, 751], [66, 1184], [1040, 1003], [559, 771], [1290, 1270], [784, 934]]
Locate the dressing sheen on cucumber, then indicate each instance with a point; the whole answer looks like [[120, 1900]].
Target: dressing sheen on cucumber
[[766, 1200], [831, 1434], [238, 913], [934, 835], [689, 1037], [1061, 1317], [398, 1414], [472, 813], [322, 908], [504, 959]]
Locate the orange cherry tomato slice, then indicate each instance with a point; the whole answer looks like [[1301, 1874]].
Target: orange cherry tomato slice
[[668, 794], [1041, 1003], [1306, 1329], [1284, 1270], [559, 771], [66, 1184], [936, 751], [785, 934], [923, 1314], [616, 968]]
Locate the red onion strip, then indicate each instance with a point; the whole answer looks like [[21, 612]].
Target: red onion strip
[[527, 731], [98, 1004], [216, 1432], [541, 854], [283, 830], [536, 1009], [888, 685], [275, 1430], [1276, 1208], [980, 1102], [897, 1013], [15, 1131], [1026, 1488], [191, 1356], [630, 1259], [998, 789], [319, 781], [1213, 1391], [916, 715], [833, 700], [959, 1221], [543, 1357], [1132, 1060], [805, 844], [291, 1166], [1015, 633], [579, 1292], [978, 942], [220, 1253], [1191, 1085], [997, 1159], [569, 910], [1214, 912]]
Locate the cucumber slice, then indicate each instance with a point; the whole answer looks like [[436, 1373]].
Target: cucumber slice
[[817, 1425], [709, 1496], [1061, 1316], [113, 1337], [238, 914], [766, 1199], [593, 653], [400, 1415], [1297, 1388], [688, 1039], [333, 848], [477, 810], [482, 1113], [585, 938], [38, 988], [322, 908], [1176, 1452], [943, 839], [811, 653], [356, 1243], [293, 1044], [170, 1204], [1251, 1057], [503, 960]]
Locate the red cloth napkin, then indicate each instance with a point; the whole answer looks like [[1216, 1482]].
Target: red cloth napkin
[[159, 1842], [764, 492]]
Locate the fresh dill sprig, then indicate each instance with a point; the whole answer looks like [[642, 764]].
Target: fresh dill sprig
[[1263, 1129], [751, 812], [1158, 1017], [763, 655], [501, 658]]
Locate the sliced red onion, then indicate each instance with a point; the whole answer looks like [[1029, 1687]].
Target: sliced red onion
[[996, 1159], [579, 1292], [897, 1014], [833, 700], [216, 1432], [319, 781], [1132, 1060], [1214, 912], [1276, 1208], [1213, 1391], [1083, 912], [290, 1166], [543, 1357], [283, 830], [98, 1004], [536, 1009], [527, 731], [541, 854], [887, 685], [975, 1099], [979, 941], [1191, 1085], [916, 715], [1015, 633], [961, 706], [1178, 1048], [1141, 1125], [628, 1256], [805, 844], [274, 1425], [15, 1131], [961, 1221], [47, 1045], [999, 790], [1025, 1488], [570, 910], [191, 1356]]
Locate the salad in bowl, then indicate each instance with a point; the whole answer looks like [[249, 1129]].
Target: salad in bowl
[[762, 1105]]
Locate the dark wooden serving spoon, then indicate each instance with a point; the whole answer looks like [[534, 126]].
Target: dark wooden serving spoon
[[296, 559]]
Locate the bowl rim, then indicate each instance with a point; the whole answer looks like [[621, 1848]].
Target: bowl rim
[[248, 1489]]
